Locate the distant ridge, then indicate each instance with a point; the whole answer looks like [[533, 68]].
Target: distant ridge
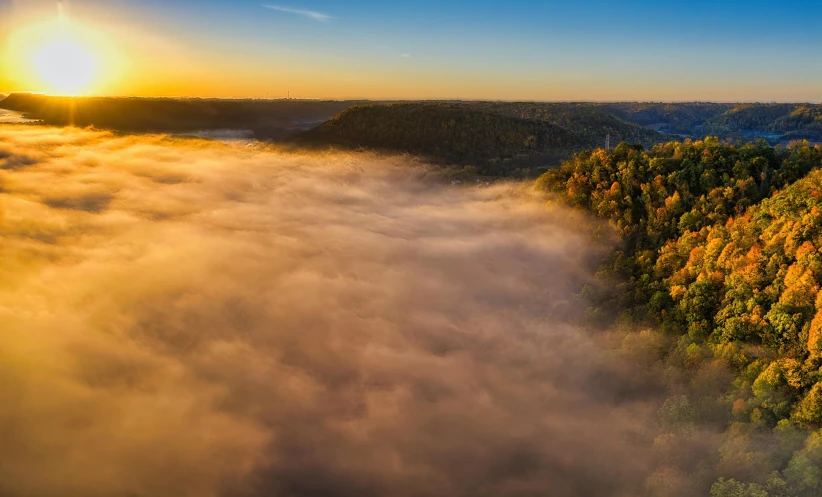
[[496, 137], [267, 118], [775, 122], [499, 139]]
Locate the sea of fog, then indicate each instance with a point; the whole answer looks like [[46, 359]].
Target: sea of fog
[[13, 117], [194, 318]]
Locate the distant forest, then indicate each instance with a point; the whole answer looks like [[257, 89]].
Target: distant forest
[[514, 139], [778, 123], [521, 139]]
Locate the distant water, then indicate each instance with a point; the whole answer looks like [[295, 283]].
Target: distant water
[[12, 117]]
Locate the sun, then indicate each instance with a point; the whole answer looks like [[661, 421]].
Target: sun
[[61, 57], [65, 66]]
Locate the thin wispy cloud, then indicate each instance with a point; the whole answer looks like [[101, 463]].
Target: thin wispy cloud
[[311, 14]]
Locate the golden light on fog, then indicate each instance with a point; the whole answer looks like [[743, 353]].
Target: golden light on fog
[[65, 66]]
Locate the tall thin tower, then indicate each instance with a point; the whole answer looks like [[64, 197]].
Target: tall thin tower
[[608, 141]]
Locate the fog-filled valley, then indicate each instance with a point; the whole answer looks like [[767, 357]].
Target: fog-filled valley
[[185, 317]]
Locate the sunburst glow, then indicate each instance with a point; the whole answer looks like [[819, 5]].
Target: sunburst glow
[[61, 57], [65, 66]]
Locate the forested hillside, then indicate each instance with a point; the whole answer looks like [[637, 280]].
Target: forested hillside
[[494, 135], [454, 133], [779, 123], [684, 118], [591, 122], [804, 122], [500, 139], [749, 118], [721, 255]]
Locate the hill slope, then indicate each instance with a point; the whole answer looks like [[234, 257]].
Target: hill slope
[[686, 118], [590, 122], [497, 138], [467, 132], [723, 255], [778, 123]]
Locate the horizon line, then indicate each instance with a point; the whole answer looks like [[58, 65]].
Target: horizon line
[[468, 100]]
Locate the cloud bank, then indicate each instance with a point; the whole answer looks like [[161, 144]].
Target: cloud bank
[[188, 318]]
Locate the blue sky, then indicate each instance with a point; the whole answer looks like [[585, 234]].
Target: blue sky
[[576, 50]]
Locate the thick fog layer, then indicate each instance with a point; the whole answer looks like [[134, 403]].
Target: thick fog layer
[[188, 318], [10, 116]]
